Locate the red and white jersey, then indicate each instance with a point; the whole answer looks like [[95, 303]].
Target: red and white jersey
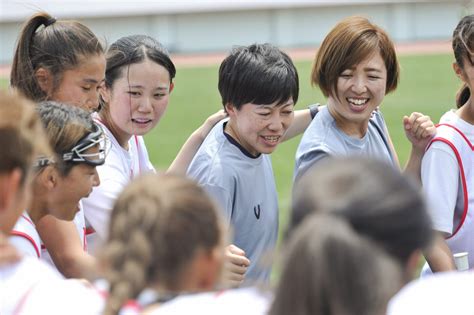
[[19, 280], [25, 238], [70, 296], [249, 300], [448, 180], [120, 167]]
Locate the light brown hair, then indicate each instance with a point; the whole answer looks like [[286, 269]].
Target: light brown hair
[[21, 133], [158, 224], [350, 42], [65, 126]]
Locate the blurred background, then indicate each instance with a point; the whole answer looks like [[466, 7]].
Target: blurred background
[[186, 26], [199, 33]]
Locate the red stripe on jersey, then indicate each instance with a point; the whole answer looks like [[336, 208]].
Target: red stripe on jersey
[[84, 241], [89, 230], [463, 181], [27, 219], [29, 238], [460, 132]]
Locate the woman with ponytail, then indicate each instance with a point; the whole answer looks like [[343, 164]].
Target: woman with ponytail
[[448, 165], [57, 60], [166, 235], [61, 61]]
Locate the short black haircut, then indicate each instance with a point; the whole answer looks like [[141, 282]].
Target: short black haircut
[[259, 74]]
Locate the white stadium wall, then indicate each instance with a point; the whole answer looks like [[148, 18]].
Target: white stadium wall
[[184, 26]]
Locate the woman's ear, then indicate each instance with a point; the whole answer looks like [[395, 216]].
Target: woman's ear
[[44, 77], [49, 177], [458, 70], [104, 92], [230, 109], [171, 87]]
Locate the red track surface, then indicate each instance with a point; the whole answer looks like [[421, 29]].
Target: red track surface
[[206, 59]]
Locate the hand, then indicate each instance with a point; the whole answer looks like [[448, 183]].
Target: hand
[[211, 121], [235, 266], [419, 129], [8, 253]]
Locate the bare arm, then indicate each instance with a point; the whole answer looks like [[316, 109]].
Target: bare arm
[[419, 130], [65, 247], [300, 122], [190, 147], [439, 256]]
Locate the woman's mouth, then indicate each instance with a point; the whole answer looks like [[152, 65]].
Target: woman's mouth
[[141, 121], [271, 139], [357, 104]]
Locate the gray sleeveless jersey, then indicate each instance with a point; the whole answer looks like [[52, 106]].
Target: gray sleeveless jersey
[[244, 187]]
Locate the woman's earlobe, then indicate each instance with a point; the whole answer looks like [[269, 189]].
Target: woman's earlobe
[[104, 92], [229, 109], [49, 177], [45, 80], [458, 70]]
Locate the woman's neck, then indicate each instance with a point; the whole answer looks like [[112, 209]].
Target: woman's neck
[[466, 112], [356, 129], [38, 207], [121, 137]]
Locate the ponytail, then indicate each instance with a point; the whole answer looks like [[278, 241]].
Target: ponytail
[[158, 224], [56, 46], [463, 95], [22, 74]]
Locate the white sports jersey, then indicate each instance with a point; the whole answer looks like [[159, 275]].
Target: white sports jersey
[[25, 238], [249, 301], [119, 168], [18, 280], [440, 294], [453, 215]]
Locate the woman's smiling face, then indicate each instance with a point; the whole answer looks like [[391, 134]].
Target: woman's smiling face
[[360, 90]]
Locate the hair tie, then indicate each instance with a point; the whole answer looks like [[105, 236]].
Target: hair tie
[[49, 21]]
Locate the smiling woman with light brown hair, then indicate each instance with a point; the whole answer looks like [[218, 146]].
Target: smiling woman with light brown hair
[[355, 67]]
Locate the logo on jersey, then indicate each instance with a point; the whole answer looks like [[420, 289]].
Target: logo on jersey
[[256, 211]]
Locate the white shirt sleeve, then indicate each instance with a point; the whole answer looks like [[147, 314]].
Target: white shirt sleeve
[[440, 178], [24, 246]]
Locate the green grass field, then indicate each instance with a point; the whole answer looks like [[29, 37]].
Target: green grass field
[[427, 85]]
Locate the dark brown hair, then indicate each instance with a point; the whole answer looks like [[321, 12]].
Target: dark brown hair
[[375, 199], [328, 268], [463, 48], [54, 45], [351, 41]]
